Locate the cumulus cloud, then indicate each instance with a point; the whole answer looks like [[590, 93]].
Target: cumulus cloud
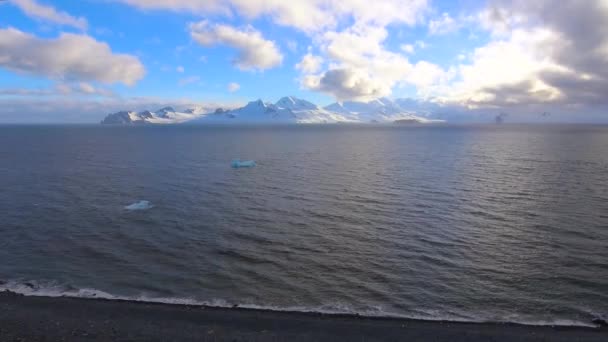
[[347, 84], [310, 63], [540, 54], [305, 15], [443, 25], [180, 69], [254, 52], [580, 47], [424, 74], [233, 86], [362, 68], [361, 47], [49, 14], [502, 68], [407, 48], [70, 57]]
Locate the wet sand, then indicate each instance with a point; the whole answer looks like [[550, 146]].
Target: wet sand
[[74, 319]]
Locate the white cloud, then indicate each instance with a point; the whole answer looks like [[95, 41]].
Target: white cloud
[[305, 15], [188, 80], [540, 53], [507, 64], [49, 14], [361, 68], [499, 20], [443, 25], [407, 48], [310, 63], [347, 84], [254, 52], [193, 6], [69, 57], [180, 69], [425, 74], [233, 86], [356, 56]]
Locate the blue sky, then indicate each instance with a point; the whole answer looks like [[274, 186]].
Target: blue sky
[[467, 55]]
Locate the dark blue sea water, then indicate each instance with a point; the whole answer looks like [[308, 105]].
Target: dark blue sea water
[[476, 223]]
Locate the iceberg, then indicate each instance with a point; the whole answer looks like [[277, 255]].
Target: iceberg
[[242, 163], [139, 205]]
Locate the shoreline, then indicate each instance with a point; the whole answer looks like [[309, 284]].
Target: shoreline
[[35, 318]]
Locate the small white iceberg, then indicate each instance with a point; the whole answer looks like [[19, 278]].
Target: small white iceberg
[[242, 163], [139, 205]]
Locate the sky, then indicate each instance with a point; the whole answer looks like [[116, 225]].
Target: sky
[[75, 61]]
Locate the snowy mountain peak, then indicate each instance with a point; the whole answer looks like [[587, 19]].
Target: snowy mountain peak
[[124, 118], [337, 107], [146, 114], [197, 110], [255, 104], [167, 109], [294, 103], [377, 111], [166, 115]]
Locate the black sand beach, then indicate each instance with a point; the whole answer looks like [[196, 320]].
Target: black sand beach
[[72, 319]]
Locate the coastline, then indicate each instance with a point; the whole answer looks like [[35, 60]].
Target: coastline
[[34, 318]]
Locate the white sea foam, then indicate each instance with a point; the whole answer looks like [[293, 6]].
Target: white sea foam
[[139, 205], [32, 288]]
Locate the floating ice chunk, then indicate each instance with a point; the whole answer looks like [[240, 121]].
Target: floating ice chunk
[[139, 205], [242, 163]]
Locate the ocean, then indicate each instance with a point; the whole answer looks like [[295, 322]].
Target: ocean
[[504, 223]]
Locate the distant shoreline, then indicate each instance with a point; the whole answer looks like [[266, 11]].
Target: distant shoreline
[[32, 318]]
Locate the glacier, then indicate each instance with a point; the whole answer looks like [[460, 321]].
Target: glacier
[[287, 110]]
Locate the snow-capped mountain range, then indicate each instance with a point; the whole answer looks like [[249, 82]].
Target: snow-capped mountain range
[[166, 115], [287, 110]]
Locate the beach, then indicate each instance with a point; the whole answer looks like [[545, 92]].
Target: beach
[[29, 318]]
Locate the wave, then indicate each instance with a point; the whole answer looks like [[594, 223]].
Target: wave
[[32, 288]]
